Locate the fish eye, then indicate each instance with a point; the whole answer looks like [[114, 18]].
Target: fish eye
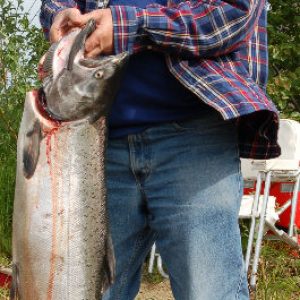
[[99, 74]]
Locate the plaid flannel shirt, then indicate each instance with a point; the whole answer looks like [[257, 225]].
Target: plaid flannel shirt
[[215, 48]]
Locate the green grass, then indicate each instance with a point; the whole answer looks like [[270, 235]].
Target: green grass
[[279, 273], [4, 261], [4, 294], [154, 277]]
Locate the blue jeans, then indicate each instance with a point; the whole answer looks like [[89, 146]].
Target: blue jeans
[[178, 184]]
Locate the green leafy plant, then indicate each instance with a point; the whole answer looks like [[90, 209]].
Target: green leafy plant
[[21, 46], [284, 52]]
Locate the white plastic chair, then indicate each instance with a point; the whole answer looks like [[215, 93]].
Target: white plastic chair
[[154, 255], [283, 168]]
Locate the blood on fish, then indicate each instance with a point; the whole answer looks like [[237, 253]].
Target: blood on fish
[[60, 51], [41, 105], [48, 150], [49, 130], [49, 133], [54, 170], [53, 125]]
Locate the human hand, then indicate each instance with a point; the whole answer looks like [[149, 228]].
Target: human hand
[[64, 22], [101, 40]]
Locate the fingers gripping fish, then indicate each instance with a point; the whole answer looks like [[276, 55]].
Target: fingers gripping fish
[[80, 84], [61, 243]]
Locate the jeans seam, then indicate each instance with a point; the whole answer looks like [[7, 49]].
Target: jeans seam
[[133, 167], [148, 151], [125, 272], [124, 275], [237, 296], [137, 247], [132, 164]]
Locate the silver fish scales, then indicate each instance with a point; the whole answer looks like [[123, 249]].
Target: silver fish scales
[[61, 243]]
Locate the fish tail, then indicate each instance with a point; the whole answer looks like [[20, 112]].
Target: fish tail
[[109, 266], [14, 293]]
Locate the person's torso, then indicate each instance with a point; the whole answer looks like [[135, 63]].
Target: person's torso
[[149, 93]]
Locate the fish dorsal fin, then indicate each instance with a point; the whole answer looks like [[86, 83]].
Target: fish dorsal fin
[[48, 62], [79, 41]]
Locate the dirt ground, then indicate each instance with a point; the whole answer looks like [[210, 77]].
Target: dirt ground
[[155, 291]]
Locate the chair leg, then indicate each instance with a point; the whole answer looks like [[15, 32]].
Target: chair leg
[[260, 231], [154, 255], [160, 267], [151, 259], [294, 205], [253, 221], [283, 236]]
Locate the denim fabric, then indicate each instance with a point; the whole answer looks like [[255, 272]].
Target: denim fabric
[[178, 184]]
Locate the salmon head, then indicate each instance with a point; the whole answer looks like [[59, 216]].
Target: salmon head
[[77, 87]]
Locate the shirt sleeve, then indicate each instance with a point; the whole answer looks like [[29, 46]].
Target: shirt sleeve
[[49, 9], [199, 28]]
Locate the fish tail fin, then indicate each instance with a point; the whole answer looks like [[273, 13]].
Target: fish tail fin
[[109, 265], [14, 293]]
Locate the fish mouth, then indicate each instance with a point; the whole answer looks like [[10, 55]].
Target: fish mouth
[[79, 42], [120, 58]]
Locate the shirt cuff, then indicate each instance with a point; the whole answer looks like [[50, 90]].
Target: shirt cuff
[[128, 23], [56, 13], [47, 16]]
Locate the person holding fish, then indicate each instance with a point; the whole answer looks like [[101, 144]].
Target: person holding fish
[[191, 103]]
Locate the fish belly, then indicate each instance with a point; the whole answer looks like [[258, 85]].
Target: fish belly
[[60, 219]]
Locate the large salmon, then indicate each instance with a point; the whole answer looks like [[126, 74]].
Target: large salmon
[[61, 244]]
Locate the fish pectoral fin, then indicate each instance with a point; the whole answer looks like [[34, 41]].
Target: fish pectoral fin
[[31, 151], [14, 294], [109, 266]]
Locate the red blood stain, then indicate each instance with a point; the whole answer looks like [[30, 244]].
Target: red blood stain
[[40, 104], [41, 73], [48, 149], [50, 128], [55, 167], [59, 51], [52, 125]]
